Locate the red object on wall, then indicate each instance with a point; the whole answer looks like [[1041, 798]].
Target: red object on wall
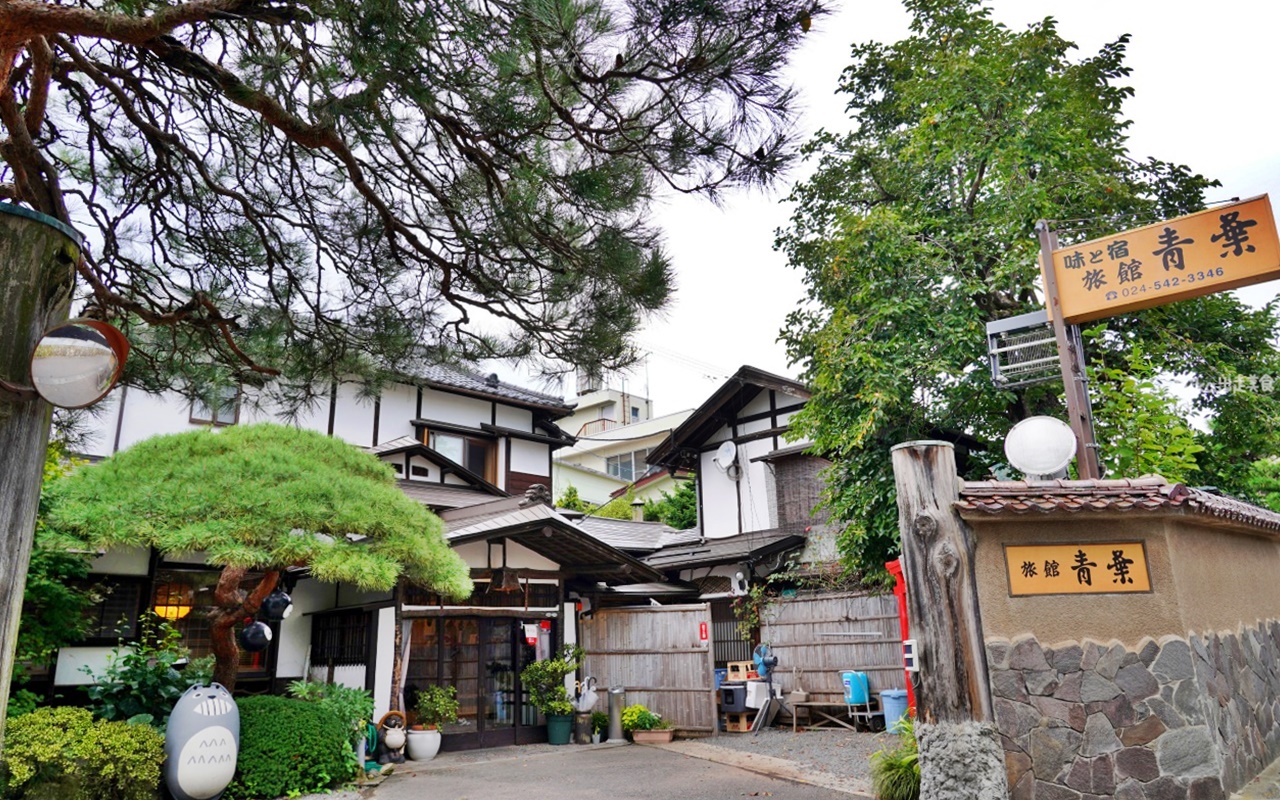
[[900, 592], [702, 631]]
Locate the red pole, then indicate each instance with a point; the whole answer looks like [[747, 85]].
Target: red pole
[[900, 592]]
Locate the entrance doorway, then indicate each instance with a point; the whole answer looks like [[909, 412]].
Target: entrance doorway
[[482, 658]]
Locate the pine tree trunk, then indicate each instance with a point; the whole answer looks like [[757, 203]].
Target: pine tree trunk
[[37, 273], [232, 605]]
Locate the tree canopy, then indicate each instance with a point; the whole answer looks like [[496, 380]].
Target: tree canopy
[[919, 227], [340, 187], [260, 498]]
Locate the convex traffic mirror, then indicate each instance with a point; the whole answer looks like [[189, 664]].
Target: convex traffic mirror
[[76, 363]]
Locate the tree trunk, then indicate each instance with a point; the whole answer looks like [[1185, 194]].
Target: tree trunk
[[397, 660], [37, 274], [230, 606], [942, 598]]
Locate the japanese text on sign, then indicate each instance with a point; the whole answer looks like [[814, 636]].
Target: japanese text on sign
[[1212, 251], [1093, 568]]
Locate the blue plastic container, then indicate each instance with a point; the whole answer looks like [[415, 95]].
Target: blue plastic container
[[894, 703], [721, 676], [856, 690]]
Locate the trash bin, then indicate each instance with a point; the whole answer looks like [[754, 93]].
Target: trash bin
[[894, 703], [721, 676], [617, 701]]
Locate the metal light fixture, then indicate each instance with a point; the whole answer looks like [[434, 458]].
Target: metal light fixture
[[173, 601], [1041, 447]]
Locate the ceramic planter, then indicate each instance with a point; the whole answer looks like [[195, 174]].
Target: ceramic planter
[[657, 736], [423, 745]]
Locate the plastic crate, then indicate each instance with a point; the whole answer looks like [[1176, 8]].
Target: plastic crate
[[738, 723], [742, 670]]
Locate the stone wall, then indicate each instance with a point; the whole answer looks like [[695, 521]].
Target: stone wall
[[1177, 719]]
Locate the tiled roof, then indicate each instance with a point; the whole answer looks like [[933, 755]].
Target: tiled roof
[[1154, 493], [724, 550], [475, 384], [441, 496], [634, 536]]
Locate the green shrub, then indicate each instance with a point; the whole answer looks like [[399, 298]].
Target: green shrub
[[289, 747], [437, 705], [599, 722], [638, 718], [142, 682], [544, 680], [895, 774], [354, 707], [64, 753]]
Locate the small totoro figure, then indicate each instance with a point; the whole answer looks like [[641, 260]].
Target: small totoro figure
[[201, 743]]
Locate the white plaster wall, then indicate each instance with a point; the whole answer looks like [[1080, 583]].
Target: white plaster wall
[[452, 408], [308, 596], [122, 561], [353, 417], [147, 415], [101, 430], [385, 647], [719, 499], [475, 554], [530, 457], [352, 676], [398, 409], [72, 661], [520, 419], [351, 596], [521, 556], [758, 405], [756, 486], [433, 472]]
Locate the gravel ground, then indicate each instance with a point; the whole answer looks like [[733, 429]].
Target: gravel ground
[[836, 751]]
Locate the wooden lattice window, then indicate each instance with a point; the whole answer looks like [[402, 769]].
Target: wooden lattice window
[[340, 638]]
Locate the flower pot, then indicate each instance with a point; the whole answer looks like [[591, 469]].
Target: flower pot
[[595, 737], [559, 728], [582, 727], [423, 745], [656, 736]]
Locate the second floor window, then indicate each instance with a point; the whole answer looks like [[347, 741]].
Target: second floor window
[[226, 410], [628, 466], [473, 453]]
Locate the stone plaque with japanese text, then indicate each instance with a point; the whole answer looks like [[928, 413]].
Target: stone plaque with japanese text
[[1093, 568], [1211, 251]]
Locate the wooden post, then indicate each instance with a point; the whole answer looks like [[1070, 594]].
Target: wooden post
[[942, 601], [1075, 381], [37, 272]]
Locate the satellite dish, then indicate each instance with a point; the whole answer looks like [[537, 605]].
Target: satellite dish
[[725, 455], [1041, 447]]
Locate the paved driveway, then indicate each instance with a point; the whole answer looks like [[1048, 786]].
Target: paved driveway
[[626, 772]]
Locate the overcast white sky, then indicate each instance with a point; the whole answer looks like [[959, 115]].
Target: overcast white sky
[[1205, 81]]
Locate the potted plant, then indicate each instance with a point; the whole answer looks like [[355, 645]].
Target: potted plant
[[544, 683], [599, 726], [436, 706], [644, 726]]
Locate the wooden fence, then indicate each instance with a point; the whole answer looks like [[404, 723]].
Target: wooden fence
[[657, 654], [824, 634]]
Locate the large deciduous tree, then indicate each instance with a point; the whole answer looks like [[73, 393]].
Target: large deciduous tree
[[918, 228], [259, 499], [299, 190]]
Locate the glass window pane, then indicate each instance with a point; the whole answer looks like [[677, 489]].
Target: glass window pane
[[448, 446]]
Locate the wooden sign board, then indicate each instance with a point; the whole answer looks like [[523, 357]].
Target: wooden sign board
[[1211, 251], [1091, 568]]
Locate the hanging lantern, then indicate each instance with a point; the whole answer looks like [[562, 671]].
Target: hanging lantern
[[255, 637], [173, 601], [277, 606]]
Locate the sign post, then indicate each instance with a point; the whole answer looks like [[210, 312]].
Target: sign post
[[1075, 381]]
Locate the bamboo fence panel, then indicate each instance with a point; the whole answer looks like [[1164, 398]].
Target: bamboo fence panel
[[808, 633]]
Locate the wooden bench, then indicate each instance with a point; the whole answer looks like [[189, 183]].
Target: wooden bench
[[848, 717]]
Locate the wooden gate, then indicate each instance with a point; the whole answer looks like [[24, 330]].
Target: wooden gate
[[823, 635], [658, 654]]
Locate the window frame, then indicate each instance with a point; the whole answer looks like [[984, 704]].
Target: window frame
[[199, 412]]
